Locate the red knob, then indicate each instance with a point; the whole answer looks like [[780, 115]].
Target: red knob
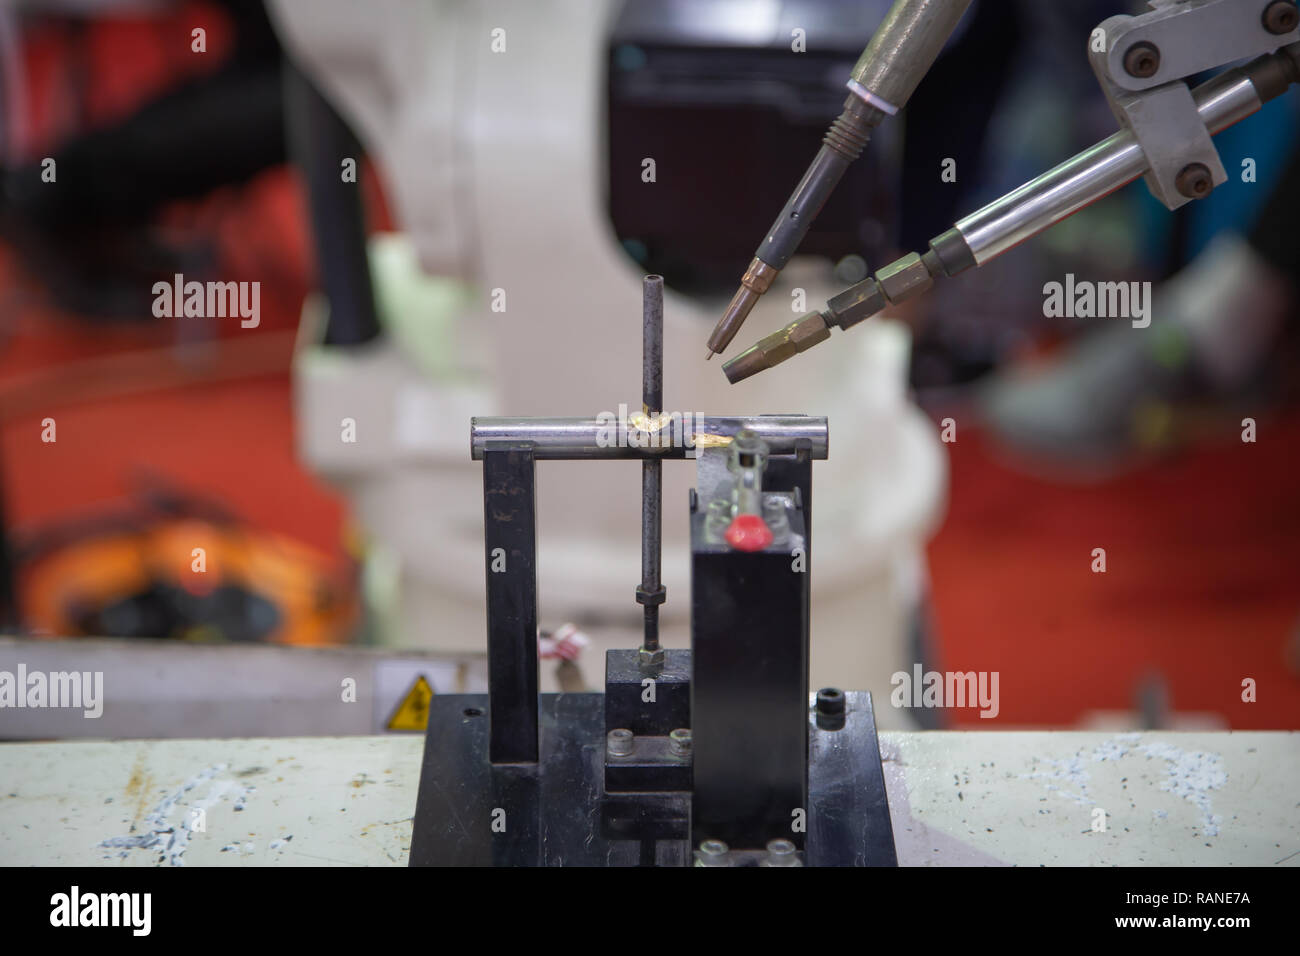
[[749, 533]]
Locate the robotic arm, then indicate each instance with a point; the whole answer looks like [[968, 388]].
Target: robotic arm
[[1142, 64]]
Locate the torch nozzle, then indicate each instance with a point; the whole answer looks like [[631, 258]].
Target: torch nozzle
[[799, 336], [757, 280]]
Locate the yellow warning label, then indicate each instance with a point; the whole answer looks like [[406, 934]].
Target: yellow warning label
[[413, 712]]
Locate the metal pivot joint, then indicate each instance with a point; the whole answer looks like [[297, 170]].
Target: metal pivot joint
[[1142, 63]]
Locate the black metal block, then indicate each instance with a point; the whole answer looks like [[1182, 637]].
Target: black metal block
[[652, 765], [553, 813], [626, 693], [510, 540], [545, 814], [848, 813], [647, 816], [749, 692]]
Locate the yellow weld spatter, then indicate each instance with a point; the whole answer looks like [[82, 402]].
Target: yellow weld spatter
[[705, 440], [413, 712]]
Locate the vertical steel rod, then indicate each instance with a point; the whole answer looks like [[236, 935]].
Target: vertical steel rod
[[652, 344], [651, 593]]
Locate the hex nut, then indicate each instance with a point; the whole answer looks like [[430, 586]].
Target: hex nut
[[807, 331], [905, 278], [777, 347], [857, 303], [650, 659]]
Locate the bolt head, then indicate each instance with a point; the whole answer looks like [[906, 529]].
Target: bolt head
[[1194, 181], [713, 853], [619, 742], [781, 853], [1281, 16], [1142, 60], [679, 741]]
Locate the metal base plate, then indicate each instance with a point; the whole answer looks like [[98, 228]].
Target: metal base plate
[[555, 812]]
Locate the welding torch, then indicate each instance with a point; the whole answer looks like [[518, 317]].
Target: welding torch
[[1025, 212], [900, 53]]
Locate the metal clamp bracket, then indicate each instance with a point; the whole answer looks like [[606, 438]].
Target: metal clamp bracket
[[1142, 63]]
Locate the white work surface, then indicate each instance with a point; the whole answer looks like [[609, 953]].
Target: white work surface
[[956, 798]]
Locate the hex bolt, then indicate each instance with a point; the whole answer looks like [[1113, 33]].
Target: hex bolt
[[781, 853], [1281, 16], [1142, 60], [713, 853], [651, 661], [1194, 181], [775, 515], [679, 741], [619, 742]]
